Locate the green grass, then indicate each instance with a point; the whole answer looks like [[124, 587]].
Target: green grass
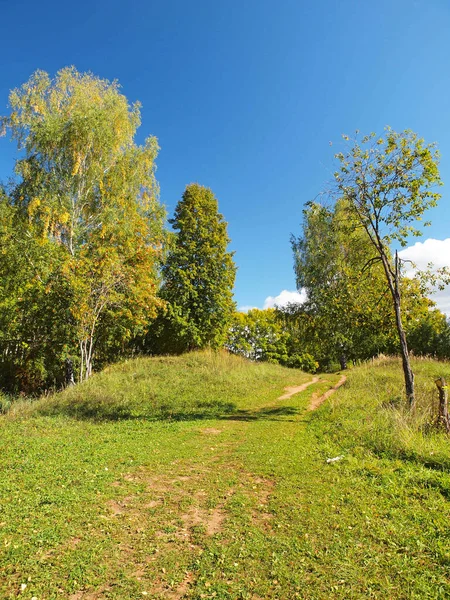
[[185, 477], [194, 386], [5, 403]]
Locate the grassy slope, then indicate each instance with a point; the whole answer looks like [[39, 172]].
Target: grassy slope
[[165, 478]]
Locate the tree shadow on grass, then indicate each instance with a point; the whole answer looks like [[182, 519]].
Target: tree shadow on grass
[[436, 463], [105, 411], [440, 463], [268, 414]]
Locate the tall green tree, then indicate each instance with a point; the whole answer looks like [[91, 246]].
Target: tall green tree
[[87, 191], [347, 313], [388, 183], [198, 277]]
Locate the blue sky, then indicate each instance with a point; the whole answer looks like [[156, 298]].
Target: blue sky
[[245, 96]]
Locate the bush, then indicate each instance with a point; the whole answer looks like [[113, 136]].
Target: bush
[[304, 361]]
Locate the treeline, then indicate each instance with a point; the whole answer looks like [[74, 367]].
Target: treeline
[[315, 337], [89, 273], [359, 303]]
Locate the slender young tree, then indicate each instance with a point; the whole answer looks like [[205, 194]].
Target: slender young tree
[[388, 183], [198, 277]]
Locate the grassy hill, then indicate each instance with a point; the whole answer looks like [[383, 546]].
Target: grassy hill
[[187, 477]]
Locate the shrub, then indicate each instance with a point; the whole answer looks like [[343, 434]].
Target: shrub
[[303, 361]]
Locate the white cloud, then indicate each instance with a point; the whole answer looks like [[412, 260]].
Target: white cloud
[[431, 251], [285, 297]]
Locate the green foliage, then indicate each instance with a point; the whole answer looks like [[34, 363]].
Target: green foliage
[[198, 278], [36, 329], [258, 335], [347, 311], [389, 183], [429, 334], [304, 361], [265, 335], [86, 201], [383, 186]]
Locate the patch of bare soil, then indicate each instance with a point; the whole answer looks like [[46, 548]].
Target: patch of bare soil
[[180, 515], [73, 542], [170, 509], [211, 431], [211, 520], [290, 391], [182, 589], [316, 400], [120, 506], [263, 489], [89, 594]]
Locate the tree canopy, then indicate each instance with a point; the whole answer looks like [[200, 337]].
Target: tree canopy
[[86, 195], [198, 277], [346, 290], [89, 272], [388, 183]]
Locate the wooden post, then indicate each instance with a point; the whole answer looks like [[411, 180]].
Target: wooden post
[[443, 419]]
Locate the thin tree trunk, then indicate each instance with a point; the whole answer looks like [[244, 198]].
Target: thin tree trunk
[[89, 359], [81, 375], [407, 371], [86, 358], [394, 286]]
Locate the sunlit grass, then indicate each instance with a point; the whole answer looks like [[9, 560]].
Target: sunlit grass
[[187, 477], [196, 385]]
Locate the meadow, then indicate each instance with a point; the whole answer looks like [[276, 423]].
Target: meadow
[[187, 477]]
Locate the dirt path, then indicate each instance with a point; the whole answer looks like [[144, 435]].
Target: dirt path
[[316, 400], [290, 391]]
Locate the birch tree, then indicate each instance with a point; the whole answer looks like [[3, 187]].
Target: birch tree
[[85, 187]]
